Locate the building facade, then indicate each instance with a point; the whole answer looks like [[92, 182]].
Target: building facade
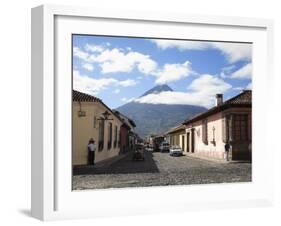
[[157, 140], [91, 118], [228, 122], [127, 134], [177, 137]]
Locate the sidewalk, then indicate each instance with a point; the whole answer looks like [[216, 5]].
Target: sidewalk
[[84, 169]]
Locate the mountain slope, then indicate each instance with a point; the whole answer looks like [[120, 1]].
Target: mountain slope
[[157, 89], [157, 118]]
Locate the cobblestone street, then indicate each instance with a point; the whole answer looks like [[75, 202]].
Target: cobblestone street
[[160, 169]]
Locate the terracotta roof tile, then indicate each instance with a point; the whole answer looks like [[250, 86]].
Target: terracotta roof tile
[[243, 99], [176, 129], [83, 97]]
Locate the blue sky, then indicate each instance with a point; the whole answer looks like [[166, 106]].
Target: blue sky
[[120, 69]]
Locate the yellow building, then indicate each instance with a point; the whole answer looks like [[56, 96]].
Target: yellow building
[[93, 119], [177, 136]]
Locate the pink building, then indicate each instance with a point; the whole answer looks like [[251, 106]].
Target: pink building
[[228, 122]]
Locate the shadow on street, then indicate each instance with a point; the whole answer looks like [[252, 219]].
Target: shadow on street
[[122, 166]]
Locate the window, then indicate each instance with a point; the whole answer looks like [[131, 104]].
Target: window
[[115, 136], [101, 134], [95, 122], [205, 131], [119, 140], [109, 136]]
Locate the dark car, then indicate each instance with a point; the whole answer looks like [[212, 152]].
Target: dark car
[[139, 153]]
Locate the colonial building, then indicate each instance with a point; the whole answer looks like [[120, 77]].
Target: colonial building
[[177, 136], [127, 135], [157, 140], [227, 122], [93, 119], [150, 139]]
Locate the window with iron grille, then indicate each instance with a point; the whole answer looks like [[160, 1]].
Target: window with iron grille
[[109, 145], [205, 131], [95, 122], [119, 140], [115, 136], [101, 135]]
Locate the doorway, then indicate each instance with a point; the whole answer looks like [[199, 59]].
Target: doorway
[[187, 142], [182, 143], [192, 140]]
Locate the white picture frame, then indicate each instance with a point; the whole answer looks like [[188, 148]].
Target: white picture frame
[[52, 197]]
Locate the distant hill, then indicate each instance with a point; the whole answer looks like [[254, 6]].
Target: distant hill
[[156, 118]]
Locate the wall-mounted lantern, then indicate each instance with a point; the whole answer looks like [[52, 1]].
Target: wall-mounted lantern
[[105, 114], [81, 113]]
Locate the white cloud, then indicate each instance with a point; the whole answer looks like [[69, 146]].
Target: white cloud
[[232, 51], [93, 86], [94, 48], [243, 73], [116, 91], [225, 71], [77, 52], [249, 86], [127, 100], [208, 83], [200, 92], [172, 72], [127, 83], [116, 60], [88, 67], [180, 44], [119, 60], [237, 88]]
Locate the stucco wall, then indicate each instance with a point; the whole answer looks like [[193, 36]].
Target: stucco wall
[[182, 137], [216, 149], [84, 129], [215, 133]]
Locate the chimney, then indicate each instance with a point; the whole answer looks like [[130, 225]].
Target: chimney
[[219, 99]]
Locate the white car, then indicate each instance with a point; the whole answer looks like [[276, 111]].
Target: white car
[[149, 148], [175, 151], [164, 146]]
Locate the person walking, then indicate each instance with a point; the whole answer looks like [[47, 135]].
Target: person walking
[[227, 148], [91, 152]]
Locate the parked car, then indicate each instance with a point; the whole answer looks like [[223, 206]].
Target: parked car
[[138, 153], [156, 147], [175, 151], [157, 142], [164, 146], [149, 147]]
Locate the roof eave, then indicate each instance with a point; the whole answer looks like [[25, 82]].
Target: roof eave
[[216, 110]]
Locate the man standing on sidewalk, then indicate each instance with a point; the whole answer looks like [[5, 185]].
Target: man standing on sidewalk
[[91, 152], [226, 148]]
